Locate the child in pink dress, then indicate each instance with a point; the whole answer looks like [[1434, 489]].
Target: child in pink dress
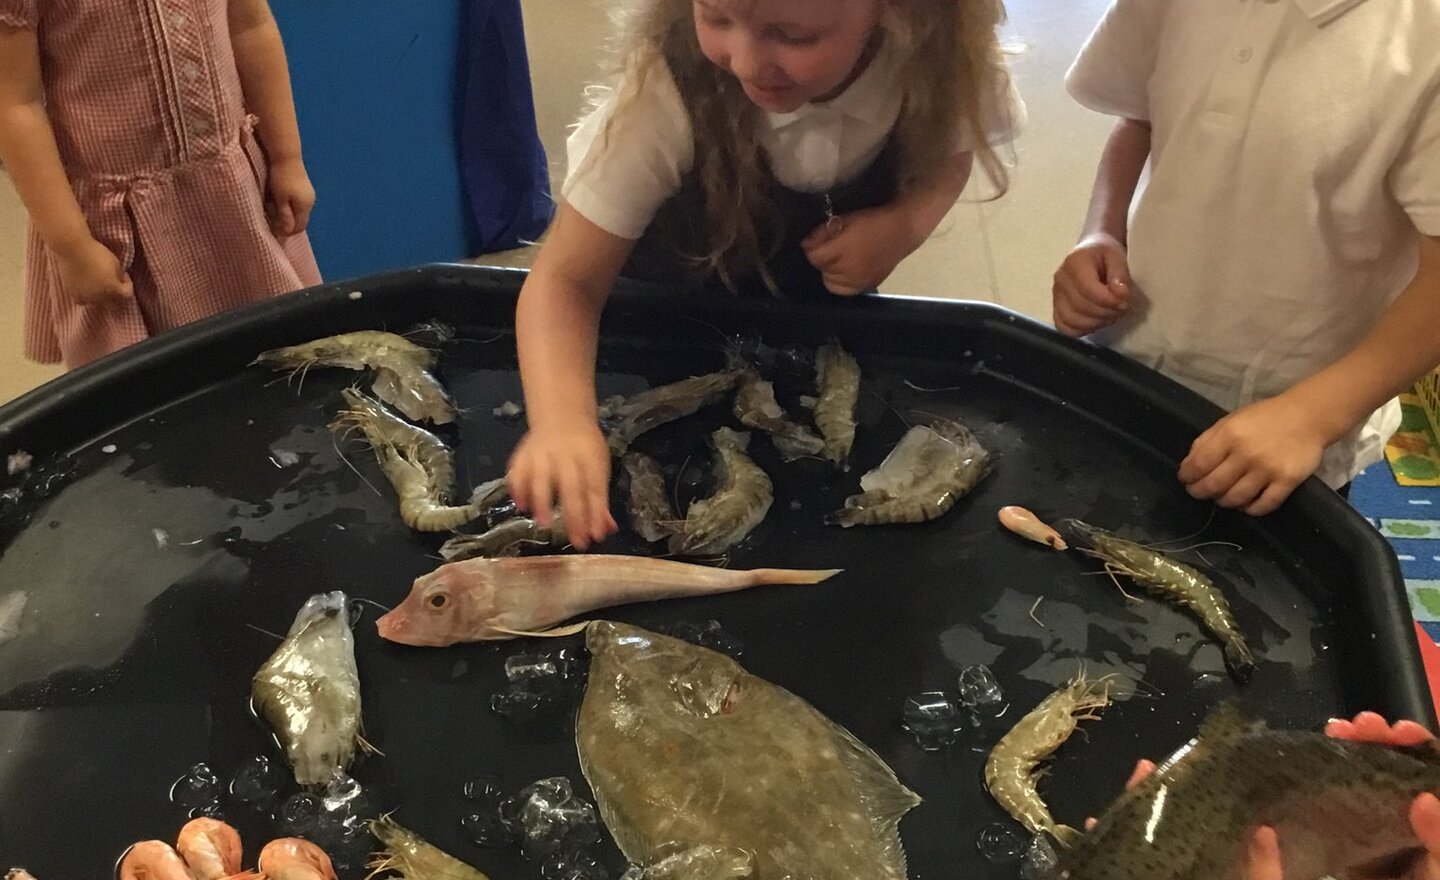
[[155, 198]]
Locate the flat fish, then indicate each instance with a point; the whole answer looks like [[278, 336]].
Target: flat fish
[[1339, 808], [715, 524], [921, 479], [309, 690], [482, 599], [12, 606], [625, 418], [687, 752]]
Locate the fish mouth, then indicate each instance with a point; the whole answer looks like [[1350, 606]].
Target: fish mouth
[[394, 626]]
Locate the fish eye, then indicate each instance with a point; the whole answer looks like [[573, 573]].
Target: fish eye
[[438, 600]]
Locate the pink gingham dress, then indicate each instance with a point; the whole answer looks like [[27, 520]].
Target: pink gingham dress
[[147, 109]]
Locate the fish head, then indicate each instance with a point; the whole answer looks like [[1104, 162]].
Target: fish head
[[668, 674], [443, 608]]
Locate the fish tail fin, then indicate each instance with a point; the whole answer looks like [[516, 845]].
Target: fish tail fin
[[787, 576], [1239, 658], [558, 632], [1066, 836]]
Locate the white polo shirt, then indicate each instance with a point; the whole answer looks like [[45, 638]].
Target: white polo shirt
[[650, 147], [1295, 162]]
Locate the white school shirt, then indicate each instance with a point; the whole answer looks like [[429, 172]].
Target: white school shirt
[[1295, 161], [811, 149]]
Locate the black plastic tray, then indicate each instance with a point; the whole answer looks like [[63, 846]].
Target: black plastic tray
[[135, 659]]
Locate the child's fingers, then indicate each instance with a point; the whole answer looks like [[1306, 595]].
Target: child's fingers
[[575, 504], [1264, 857], [1143, 768], [1371, 727], [1270, 500], [1246, 491], [819, 236], [1425, 821], [1409, 733], [284, 219], [1218, 480]]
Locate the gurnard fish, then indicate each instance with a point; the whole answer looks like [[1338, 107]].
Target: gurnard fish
[[688, 753], [715, 524], [484, 599], [1339, 808], [625, 418], [402, 369], [309, 690], [1171, 580], [921, 479]]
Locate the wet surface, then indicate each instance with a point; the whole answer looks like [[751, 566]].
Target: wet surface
[[157, 572]]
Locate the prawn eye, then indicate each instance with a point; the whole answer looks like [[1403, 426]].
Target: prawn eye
[[438, 600]]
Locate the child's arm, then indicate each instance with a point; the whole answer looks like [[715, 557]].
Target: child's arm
[[557, 325], [90, 273], [860, 250], [1255, 457], [1092, 285], [265, 79]]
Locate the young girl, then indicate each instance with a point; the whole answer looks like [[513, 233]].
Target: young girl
[[794, 145], [1280, 255], [124, 128]]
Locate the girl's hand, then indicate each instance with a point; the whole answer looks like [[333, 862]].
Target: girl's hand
[[1092, 286], [291, 197], [1255, 457], [856, 252], [91, 275], [569, 464], [1263, 860]]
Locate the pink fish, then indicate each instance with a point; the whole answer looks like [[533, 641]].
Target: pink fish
[[482, 599]]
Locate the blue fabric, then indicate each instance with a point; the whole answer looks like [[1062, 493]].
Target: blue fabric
[[502, 160]]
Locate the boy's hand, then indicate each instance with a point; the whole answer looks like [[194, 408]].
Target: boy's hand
[[856, 252], [1092, 286], [571, 465], [291, 198], [91, 275], [1254, 458]]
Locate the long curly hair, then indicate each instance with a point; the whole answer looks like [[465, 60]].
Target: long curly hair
[[953, 65]]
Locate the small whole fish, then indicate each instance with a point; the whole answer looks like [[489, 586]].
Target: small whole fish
[[686, 751], [1340, 809], [837, 376], [510, 538], [402, 379], [756, 407], [739, 504], [1012, 773], [410, 857], [309, 690], [651, 514], [483, 599], [921, 479], [418, 464], [625, 418], [1171, 580]]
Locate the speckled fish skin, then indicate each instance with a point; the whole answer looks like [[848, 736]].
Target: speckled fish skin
[[683, 748], [1340, 808]]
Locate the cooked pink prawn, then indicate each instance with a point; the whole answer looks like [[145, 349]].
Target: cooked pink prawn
[[210, 848], [291, 858], [153, 860]]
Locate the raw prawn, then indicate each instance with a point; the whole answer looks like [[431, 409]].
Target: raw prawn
[[921, 479], [650, 512], [625, 418], [408, 855], [291, 858], [1171, 580], [715, 524], [402, 368], [508, 538], [756, 407], [1012, 772], [1029, 526], [838, 377], [415, 461], [481, 599], [210, 848]]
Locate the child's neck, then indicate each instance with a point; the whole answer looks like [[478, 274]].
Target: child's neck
[[872, 47]]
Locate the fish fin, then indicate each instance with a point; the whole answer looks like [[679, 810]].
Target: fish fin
[[783, 576], [883, 795], [1066, 836], [1230, 720], [558, 632]]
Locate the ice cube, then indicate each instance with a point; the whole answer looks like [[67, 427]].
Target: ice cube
[[484, 790], [516, 705], [486, 829], [342, 795], [198, 786], [257, 781], [509, 812], [1000, 843], [559, 866], [546, 793], [979, 689], [509, 411], [524, 667], [933, 720], [299, 815], [209, 810], [18, 461], [1041, 860]]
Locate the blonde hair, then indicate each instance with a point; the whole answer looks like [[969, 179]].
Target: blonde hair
[[953, 67]]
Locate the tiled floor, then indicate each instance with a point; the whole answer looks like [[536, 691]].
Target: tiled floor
[[1001, 251]]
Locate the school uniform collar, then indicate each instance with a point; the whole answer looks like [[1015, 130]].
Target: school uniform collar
[[869, 99], [1322, 12]]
